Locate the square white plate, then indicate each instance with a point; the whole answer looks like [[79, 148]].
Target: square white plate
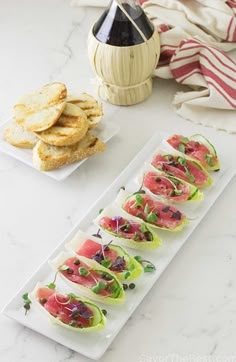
[[105, 131], [95, 344]]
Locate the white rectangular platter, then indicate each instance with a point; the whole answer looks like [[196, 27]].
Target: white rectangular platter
[[95, 344], [105, 131]]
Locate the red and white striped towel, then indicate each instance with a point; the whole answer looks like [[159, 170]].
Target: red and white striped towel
[[195, 35]]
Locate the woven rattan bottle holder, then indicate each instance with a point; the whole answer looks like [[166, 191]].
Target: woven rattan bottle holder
[[124, 73]]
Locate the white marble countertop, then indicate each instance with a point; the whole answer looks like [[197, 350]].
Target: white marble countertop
[[191, 311]]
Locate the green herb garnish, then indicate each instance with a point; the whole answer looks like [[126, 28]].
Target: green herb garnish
[[139, 200], [147, 265], [176, 192], [27, 302], [182, 161], [209, 160], [64, 267], [72, 296], [67, 269], [98, 287], [51, 285], [152, 217], [106, 263], [127, 275], [143, 228], [84, 272], [190, 176], [138, 258], [181, 148], [184, 140], [149, 268], [146, 209]]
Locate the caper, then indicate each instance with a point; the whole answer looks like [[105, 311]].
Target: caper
[[125, 286], [43, 300]]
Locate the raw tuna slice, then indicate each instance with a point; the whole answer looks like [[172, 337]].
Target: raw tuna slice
[[89, 278], [153, 212], [198, 148], [170, 188], [111, 256], [69, 310], [183, 168], [132, 233]]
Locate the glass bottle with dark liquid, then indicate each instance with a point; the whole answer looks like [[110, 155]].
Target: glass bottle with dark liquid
[[114, 27]]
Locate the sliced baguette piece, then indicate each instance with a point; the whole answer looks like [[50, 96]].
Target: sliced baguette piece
[[19, 137], [41, 109], [71, 127], [89, 105], [61, 136], [73, 116], [46, 157]]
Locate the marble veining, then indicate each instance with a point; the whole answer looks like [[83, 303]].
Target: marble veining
[[67, 51]]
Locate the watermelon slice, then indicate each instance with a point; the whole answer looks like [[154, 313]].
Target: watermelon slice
[[170, 188], [198, 148], [68, 310], [89, 278], [183, 168], [111, 256], [155, 213], [132, 233]]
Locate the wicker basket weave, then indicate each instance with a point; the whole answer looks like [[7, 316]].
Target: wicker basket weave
[[124, 74]]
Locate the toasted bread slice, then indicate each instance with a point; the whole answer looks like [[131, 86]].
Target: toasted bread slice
[[71, 127], [41, 109], [89, 105], [74, 117], [61, 136], [46, 157], [18, 137]]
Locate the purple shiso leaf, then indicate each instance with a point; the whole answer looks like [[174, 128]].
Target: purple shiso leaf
[[116, 218], [119, 263]]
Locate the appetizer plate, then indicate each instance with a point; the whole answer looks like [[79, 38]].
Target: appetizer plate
[[105, 131], [93, 345]]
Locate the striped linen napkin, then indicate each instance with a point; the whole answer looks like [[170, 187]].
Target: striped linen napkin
[[195, 36]]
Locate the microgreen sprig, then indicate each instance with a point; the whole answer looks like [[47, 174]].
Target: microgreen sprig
[[83, 272], [190, 176], [181, 148], [151, 217], [147, 265], [97, 235], [208, 158], [139, 200], [27, 302], [98, 287], [52, 285]]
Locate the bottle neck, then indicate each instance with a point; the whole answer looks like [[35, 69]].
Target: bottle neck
[[123, 23]]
